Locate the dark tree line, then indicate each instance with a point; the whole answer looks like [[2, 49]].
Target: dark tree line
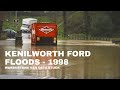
[[95, 23], [90, 23]]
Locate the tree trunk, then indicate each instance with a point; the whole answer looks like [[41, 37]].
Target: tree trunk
[[65, 23], [2, 14], [86, 23]]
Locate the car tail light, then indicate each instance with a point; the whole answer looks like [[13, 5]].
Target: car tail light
[[54, 41], [38, 38]]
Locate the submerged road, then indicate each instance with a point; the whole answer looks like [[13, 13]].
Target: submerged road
[[27, 41], [11, 42], [23, 77]]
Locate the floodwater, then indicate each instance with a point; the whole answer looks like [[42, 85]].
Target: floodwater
[[103, 63]]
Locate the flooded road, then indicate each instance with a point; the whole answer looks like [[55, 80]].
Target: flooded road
[[103, 63]]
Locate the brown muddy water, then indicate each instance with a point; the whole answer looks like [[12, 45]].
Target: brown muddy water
[[103, 63]]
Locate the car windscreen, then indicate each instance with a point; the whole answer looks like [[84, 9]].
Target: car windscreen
[[26, 26]]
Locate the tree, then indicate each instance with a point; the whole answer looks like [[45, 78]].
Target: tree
[[115, 18], [101, 25], [2, 14], [87, 23], [65, 23]]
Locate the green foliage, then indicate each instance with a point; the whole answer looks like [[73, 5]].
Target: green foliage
[[102, 23], [9, 23], [75, 23]]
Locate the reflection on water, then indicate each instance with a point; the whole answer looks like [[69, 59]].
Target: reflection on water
[[104, 62]]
